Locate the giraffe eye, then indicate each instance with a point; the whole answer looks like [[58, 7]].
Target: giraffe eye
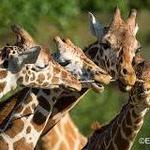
[[138, 49]]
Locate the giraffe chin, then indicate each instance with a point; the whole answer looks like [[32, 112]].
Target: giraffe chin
[[98, 88], [123, 87]]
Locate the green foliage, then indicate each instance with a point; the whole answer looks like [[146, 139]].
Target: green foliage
[[58, 12], [28, 13], [102, 5], [138, 4]]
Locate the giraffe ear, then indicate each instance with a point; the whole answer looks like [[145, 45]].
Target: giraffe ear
[[95, 27], [117, 19], [131, 21], [29, 56]]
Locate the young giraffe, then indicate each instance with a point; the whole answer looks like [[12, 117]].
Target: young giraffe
[[115, 56], [121, 132], [27, 118]]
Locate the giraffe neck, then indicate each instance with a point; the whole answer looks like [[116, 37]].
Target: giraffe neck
[[24, 127], [104, 58], [121, 132], [64, 135]]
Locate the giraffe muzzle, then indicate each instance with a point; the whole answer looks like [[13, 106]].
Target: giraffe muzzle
[[99, 80]]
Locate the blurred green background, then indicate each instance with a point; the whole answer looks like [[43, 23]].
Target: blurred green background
[[68, 18]]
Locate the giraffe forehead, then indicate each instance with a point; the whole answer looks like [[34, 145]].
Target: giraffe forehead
[[121, 37]]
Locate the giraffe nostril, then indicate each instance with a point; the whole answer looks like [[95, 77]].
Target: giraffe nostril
[[124, 71]]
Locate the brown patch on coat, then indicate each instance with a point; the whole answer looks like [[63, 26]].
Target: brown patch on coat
[[16, 127], [40, 78], [38, 121], [28, 130], [120, 141], [55, 80], [2, 86], [19, 109], [3, 144], [6, 109], [33, 106], [44, 103], [45, 84], [3, 74], [20, 80], [22, 144], [56, 70], [28, 100], [64, 102], [63, 74], [27, 111]]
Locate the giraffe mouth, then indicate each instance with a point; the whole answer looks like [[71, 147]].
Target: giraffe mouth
[[123, 87], [97, 87]]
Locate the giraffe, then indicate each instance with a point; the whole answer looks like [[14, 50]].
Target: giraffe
[[115, 43], [65, 135], [121, 132], [23, 123]]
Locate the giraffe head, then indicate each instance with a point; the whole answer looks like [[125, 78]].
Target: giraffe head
[[117, 46], [74, 60], [140, 92]]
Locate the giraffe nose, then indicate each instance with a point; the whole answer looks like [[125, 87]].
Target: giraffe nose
[[128, 79]]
